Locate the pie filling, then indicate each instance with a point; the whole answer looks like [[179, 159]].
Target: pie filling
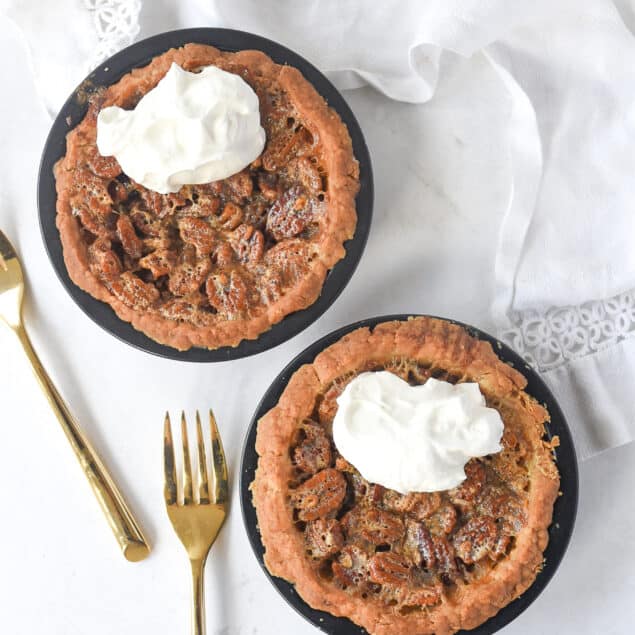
[[408, 551], [214, 252]]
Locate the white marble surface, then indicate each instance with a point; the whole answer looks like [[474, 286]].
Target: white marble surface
[[441, 184]]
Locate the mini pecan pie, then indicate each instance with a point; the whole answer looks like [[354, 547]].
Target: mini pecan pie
[[419, 563], [212, 264]]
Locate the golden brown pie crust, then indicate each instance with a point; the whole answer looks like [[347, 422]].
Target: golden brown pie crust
[[145, 255], [524, 471]]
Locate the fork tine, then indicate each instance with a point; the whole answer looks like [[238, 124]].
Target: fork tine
[[219, 466], [169, 491], [187, 463], [7, 252], [203, 483]]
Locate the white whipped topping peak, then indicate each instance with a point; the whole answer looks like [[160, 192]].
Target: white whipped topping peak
[[190, 128], [413, 438]]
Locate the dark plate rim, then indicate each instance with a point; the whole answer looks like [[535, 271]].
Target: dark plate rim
[[139, 54], [565, 507]]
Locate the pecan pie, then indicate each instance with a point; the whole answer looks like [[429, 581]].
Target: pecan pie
[[420, 563], [212, 264]]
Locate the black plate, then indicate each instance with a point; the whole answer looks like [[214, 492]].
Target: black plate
[[564, 510], [140, 54]]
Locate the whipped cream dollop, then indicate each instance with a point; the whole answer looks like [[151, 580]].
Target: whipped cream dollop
[[190, 128], [413, 438]]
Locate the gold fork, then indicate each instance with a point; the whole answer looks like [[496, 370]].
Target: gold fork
[[131, 541], [196, 522]]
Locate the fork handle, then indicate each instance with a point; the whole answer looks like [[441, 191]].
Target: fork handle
[[198, 597], [127, 532]]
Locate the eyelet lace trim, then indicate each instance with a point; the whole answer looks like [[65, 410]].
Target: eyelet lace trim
[[116, 23], [552, 338]]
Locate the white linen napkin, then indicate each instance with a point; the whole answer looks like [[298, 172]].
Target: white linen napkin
[[69, 38], [564, 279]]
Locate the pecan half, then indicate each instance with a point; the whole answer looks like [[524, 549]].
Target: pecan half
[[131, 243], [102, 226], [285, 145], [418, 504], [255, 213], [443, 520], [501, 545], [269, 186], [313, 453], [231, 216], [389, 568], [240, 186], [322, 495], [93, 204], [227, 294], [290, 214], [500, 503], [377, 526], [106, 167], [223, 255], [471, 487], [93, 190], [180, 308], [159, 262], [160, 205], [189, 275], [145, 222], [351, 567], [204, 203], [248, 243], [303, 170], [475, 539], [323, 537], [419, 545], [199, 233], [134, 292], [290, 261], [446, 563], [103, 261]]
